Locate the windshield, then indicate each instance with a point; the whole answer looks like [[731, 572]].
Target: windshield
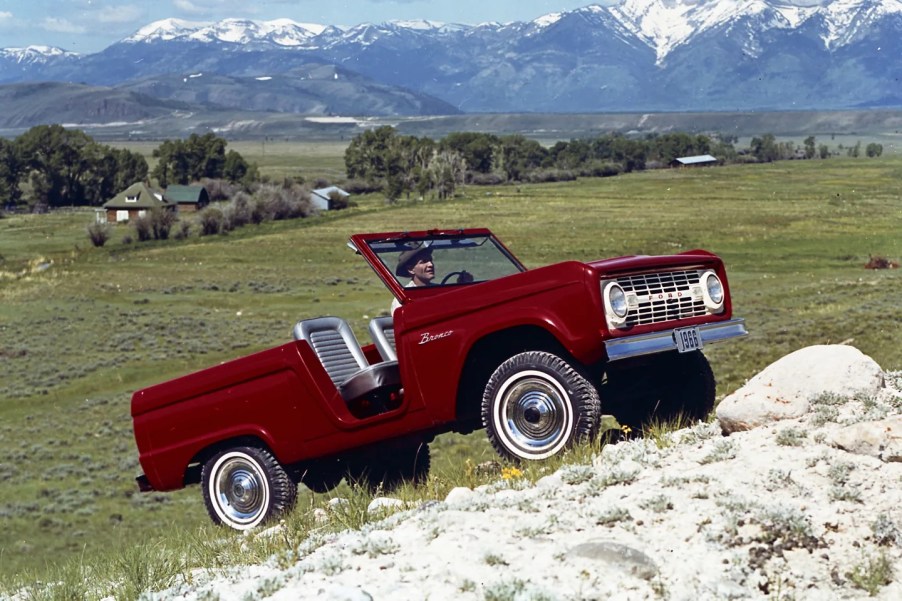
[[454, 260]]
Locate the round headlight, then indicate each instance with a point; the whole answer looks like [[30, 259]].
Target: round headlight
[[617, 300], [713, 287]]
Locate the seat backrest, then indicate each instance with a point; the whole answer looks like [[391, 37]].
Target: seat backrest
[[334, 343], [382, 331]]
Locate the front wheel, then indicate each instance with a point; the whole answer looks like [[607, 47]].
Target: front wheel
[[246, 486], [665, 388], [536, 404]]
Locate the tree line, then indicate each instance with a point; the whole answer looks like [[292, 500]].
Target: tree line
[[53, 166], [403, 165], [400, 165]]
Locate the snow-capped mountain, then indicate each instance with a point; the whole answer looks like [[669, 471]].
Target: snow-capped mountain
[[34, 54], [280, 32], [635, 55]]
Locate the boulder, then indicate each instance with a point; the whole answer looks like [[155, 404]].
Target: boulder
[[617, 556], [784, 389], [881, 439]]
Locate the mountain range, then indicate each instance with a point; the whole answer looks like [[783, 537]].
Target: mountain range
[[637, 55]]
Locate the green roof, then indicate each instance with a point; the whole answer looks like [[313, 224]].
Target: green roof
[[136, 196], [186, 194]]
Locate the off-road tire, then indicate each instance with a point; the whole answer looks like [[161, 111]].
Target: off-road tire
[[535, 405], [244, 487], [324, 476], [387, 467], [667, 387]]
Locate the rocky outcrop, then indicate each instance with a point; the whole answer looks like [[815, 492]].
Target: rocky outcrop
[[806, 505], [786, 388]]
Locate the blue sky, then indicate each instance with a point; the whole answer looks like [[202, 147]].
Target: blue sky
[[87, 26]]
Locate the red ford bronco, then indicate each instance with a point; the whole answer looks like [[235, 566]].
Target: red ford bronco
[[477, 340]]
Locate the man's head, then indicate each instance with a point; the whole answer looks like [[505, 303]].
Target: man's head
[[416, 264]]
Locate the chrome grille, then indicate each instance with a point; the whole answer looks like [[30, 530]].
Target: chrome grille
[[662, 297]]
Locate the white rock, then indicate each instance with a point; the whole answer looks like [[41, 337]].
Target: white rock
[[459, 494], [881, 439], [384, 503], [552, 481], [785, 388]]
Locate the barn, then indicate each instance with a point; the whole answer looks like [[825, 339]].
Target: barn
[[188, 199]]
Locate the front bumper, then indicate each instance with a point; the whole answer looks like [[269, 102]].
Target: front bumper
[[660, 342]]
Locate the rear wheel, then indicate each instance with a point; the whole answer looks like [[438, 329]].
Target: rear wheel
[[535, 405], [246, 486]]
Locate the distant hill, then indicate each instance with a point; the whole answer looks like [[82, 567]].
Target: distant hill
[[312, 89], [28, 104]]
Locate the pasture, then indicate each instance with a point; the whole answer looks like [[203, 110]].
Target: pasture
[[82, 327]]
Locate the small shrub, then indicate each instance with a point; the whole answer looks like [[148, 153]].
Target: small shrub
[[99, 233], [885, 531], [358, 186], [657, 504], [872, 574], [239, 212], [613, 516], [877, 262], [211, 220], [487, 179], [338, 202], [791, 437], [549, 175], [161, 222], [143, 228], [183, 231], [603, 170], [723, 450]]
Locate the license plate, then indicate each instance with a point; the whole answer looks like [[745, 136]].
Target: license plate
[[687, 339]]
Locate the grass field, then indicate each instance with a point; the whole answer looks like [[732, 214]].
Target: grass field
[[81, 328]]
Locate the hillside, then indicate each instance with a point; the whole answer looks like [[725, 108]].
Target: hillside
[[803, 507], [28, 104], [83, 327]]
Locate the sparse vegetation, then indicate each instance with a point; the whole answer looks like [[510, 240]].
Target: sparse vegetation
[[81, 327], [99, 233], [873, 573]]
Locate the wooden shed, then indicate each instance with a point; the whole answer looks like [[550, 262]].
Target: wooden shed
[[322, 197], [188, 199], [702, 160]]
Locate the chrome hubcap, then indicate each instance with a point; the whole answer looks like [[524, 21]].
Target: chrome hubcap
[[241, 490], [534, 415]]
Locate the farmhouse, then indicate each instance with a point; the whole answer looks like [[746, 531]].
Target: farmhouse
[[133, 202], [322, 197], [187, 199], [701, 160]]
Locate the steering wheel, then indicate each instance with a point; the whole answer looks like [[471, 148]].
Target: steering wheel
[[463, 277]]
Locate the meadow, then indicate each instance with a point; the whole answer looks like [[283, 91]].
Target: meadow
[[81, 328]]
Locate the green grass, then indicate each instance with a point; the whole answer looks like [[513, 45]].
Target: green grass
[[81, 328], [276, 159]]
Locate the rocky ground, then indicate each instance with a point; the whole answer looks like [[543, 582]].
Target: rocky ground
[[801, 500]]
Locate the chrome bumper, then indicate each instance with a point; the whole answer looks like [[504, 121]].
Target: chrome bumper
[[659, 342]]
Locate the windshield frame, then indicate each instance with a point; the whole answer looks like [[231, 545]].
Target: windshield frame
[[366, 245]]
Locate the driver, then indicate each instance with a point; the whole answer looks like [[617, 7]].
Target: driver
[[417, 265]]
